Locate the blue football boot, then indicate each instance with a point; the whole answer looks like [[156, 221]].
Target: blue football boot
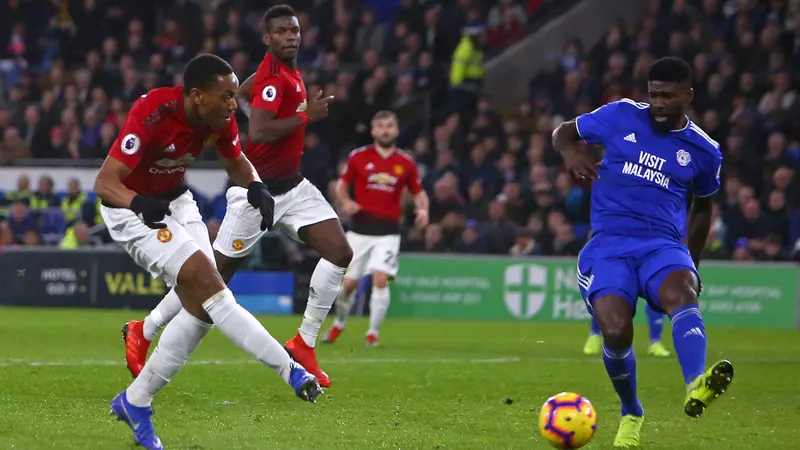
[[139, 419], [304, 384]]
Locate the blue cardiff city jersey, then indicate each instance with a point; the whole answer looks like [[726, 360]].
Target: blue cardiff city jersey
[[646, 176]]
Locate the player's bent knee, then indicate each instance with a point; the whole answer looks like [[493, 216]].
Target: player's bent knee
[[342, 255], [199, 278], [380, 280], [678, 289]]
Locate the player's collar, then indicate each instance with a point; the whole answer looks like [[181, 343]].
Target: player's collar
[[688, 122], [384, 154]]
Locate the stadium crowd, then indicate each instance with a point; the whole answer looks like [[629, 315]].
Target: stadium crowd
[[495, 183]]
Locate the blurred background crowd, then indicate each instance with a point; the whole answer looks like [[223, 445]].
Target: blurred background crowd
[[69, 71]]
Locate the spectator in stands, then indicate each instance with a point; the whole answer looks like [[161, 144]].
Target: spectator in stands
[[21, 223], [73, 201], [13, 146], [77, 236], [45, 196], [466, 71], [22, 193]]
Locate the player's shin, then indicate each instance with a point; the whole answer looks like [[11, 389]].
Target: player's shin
[[159, 317], [178, 341], [238, 325], [378, 306], [689, 339], [326, 281], [621, 368]]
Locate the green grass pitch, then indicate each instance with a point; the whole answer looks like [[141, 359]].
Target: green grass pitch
[[430, 385]]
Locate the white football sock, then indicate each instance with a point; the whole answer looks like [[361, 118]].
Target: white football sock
[[159, 317], [326, 281], [378, 306], [178, 341], [247, 332], [344, 301]]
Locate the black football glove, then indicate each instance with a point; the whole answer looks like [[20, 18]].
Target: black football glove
[[259, 198], [150, 210]]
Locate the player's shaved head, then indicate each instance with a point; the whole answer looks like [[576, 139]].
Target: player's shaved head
[[203, 71], [669, 88], [671, 69], [275, 12]]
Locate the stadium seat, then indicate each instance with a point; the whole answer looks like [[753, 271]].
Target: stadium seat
[[53, 225]]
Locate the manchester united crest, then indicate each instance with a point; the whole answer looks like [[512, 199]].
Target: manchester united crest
[[238, 245], [211, 140], [398, 170], [164, 235]]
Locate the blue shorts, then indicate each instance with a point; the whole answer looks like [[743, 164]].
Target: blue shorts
[[630, 267]]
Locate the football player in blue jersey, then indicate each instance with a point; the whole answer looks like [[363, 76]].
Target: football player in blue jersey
[[655, 322], [655, 158]]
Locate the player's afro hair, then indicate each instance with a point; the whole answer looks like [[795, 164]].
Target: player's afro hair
[[204, 70], [671, 69], [278, 11]]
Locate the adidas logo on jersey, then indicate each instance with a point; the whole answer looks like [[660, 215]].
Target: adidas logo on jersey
[[630, 138]]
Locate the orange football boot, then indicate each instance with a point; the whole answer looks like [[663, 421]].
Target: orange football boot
[[332, 333], [307, 358], [371, 340], [136, 346]]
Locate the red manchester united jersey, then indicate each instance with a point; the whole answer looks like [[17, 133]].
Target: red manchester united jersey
[[279, 89], [378, 182], [158, 143]]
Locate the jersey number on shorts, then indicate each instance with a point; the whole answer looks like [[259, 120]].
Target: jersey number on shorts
[[391, 259]]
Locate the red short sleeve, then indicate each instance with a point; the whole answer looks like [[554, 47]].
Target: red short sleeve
[[413, 182], [228, 144], [349, 173], [267, 91], [134, 136]]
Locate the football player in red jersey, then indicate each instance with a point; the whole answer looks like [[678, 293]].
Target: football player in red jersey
[[378, 173], [150, 212], [279, 114]]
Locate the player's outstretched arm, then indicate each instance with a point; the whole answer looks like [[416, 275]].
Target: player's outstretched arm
[[108, 184], [699, 226]]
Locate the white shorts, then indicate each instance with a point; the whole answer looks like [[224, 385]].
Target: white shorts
[[161, 252], [241, 228], [373, 254]]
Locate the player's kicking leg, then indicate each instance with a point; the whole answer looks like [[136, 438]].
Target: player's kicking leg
[[328, 239], [677, 293], [175, 256], [655, 321]]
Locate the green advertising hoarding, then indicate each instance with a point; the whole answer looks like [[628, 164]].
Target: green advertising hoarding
[[752, 295]]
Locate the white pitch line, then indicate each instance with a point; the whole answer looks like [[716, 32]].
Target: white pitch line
[[211, 362], [532, 359]]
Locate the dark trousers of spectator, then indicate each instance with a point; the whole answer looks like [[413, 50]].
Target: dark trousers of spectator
[[465, 96]]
